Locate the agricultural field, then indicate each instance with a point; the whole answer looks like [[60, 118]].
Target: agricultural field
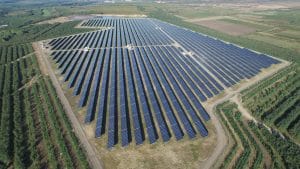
[[277, 108], [30, 136], [149, 85], [253, 144]]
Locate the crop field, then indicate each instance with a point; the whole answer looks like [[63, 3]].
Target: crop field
[[283, 112], [139, 74], [32, 116]]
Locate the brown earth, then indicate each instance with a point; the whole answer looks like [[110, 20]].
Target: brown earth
[[225, 27], [64, 19]]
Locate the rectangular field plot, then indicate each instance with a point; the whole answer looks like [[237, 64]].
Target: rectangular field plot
[[142, 79]]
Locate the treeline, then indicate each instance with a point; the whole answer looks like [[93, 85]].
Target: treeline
[[59, 29], [45, 31], [276, 101], [36, 32], [255, 146], [23, 24], [34, 129]]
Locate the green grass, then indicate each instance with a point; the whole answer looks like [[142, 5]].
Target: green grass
[[195, 11], [289, 17], [47, 12], [12, 53], [245, 23], [274, 39], [285, 148], [290, 34]]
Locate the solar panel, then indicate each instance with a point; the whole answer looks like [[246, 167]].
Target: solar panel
[[131, 72]]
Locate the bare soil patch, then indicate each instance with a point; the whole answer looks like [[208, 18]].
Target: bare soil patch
[[64, 19], [195, 20], [174, 154], [225, 27]]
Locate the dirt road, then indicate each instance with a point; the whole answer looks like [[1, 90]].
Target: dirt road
[[236, 99], [46, 69]]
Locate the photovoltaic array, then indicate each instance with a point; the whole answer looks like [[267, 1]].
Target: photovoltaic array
[[141, 78]]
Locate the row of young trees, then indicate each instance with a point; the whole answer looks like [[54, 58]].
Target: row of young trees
[[57, 30], [34, 130], [64, 121], [13, 52], [286, 150], [257, 143], [250, 153], [276, 101]]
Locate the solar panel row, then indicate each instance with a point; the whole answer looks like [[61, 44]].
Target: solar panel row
[[125, 122], [137, 32], [227, 62], [144, 98]]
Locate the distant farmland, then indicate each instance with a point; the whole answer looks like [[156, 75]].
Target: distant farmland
[[143, 79]]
